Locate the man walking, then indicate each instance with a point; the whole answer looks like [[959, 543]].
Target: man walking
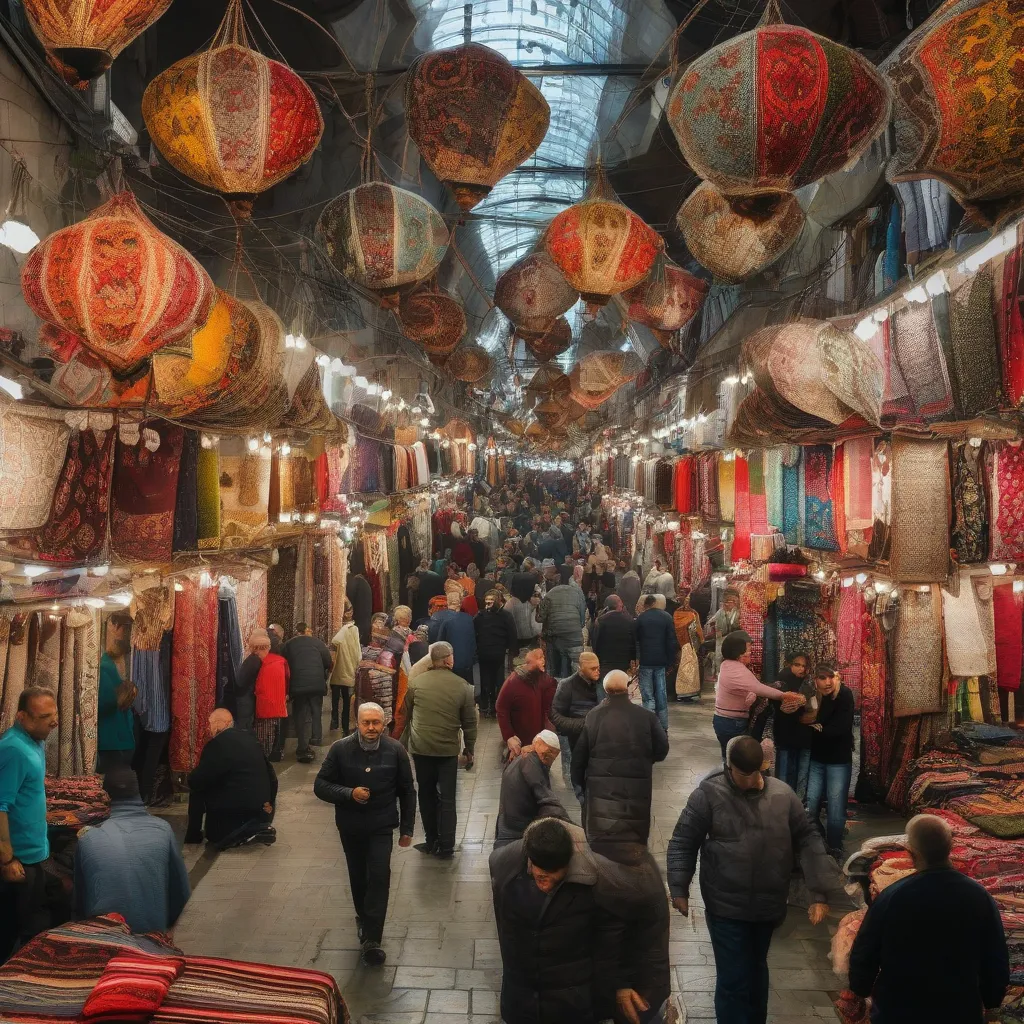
[[613, 638], [438, 704], [931, 947], [523, 707], [368, 778], [309, 662], [563, 612], [657, 648], [574, 697], [526, 793], [24, 844], [458, 631], [613, 764], [496, 639], [749, 831]]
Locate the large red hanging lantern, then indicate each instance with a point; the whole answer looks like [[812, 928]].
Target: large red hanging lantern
[[473, 117], [432, 320], [82, 37], [533, 292], [666, 302], [776, 108], [231, 119], [383, 238], [117, 283]]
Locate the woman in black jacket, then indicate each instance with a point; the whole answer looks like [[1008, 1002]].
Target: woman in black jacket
[[496, 638], [831, 756]]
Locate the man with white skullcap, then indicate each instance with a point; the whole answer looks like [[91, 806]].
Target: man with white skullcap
[[368, 778], [526, 793]]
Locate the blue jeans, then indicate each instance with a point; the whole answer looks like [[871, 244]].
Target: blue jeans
[[741, 964], [792, 766], [829, 784], [726, 728], [562, 657], [652, 689]]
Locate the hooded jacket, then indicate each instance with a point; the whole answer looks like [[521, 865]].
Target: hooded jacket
[[347, 653]]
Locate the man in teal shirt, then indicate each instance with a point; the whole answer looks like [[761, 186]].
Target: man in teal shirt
[[116, 723], [23, 841]]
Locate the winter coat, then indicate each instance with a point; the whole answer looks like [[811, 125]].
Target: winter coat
[[438, 703], [458, 630], [656, 643], [787, 729], [628, 591], [495, 634], [522, 585], [613, 761], [574, 698], [613, 640], [524, 705], [358, 591], [386, 772], [272, 687], [233, 775], [526, 795], [309, 659], [347, 653], [749, 842], [563, 611]]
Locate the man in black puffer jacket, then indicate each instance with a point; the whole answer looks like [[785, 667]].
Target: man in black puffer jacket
[[613, 762], [575, 697], [613, 638], [496, 638]]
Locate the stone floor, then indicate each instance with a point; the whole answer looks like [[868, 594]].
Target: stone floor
[[290, 904]]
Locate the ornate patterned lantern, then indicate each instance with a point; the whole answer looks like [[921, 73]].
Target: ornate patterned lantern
[[598, 376], [117, 283], [82, 37], [433, 320], [737, 237], [549, 381], [533, 292], [666, 302], [602, 248], [776, 108], [473, 117], [551, 342], [959, 101], [383, 238], [470, 364], [232, 119]]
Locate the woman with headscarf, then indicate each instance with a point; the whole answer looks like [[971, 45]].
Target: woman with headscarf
[[628, 591], [690, 637], [375, 678], [347, 654], [397, 643]]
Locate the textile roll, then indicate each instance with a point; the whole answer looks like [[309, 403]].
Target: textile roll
[[143, 495], [208, 498], [193, 672], [1006, 516], [966, 648], [1008, 609], [230, 118], [920, 510], [533, 292], [918, 653], [244, 497], [473, 116], [117, 284], [33, 445], [974, 344]]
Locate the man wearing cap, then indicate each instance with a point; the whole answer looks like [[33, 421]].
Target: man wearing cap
[[526, 793]]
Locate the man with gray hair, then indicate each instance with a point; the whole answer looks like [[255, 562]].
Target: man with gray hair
[[526, 793], [931, 947], [438, 705]]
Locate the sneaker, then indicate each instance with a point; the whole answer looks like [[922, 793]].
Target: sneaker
[[372, 955], [426, 847], [305, 758], [444, 854]]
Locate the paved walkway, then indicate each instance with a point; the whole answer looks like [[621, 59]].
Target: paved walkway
[[290, 904]]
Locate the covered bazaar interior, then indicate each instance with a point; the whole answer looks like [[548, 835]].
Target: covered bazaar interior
[[337, 304]]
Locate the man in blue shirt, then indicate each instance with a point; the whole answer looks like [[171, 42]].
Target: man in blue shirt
[[131, 864], [115, 726], [23, 840]]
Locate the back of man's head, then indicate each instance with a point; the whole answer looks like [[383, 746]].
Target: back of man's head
[[616, 681], [650, 601], [301, 628], [930, 840], [613, 603], [220, 720], [121, 783], [744, 754], [548, 844], [440, 653]]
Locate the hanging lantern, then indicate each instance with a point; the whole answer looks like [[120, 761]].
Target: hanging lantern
[[117, 283], [553, 413], [82, 37], [776, 108], [737, 237], [666, 302], [547, 344], [432, 320], [231, 119], [959, 101], [473, 117], [470, 364], [533, 292], [537, 432], [602, 248], [383, 238], [598, 376], [549, 381]]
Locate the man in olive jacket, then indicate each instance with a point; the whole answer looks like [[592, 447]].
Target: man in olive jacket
[[438, 703]]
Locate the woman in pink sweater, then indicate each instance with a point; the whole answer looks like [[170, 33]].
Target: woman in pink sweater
[[738, 688]]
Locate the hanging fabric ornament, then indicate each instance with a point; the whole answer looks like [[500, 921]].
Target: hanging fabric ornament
[[666, 302], [736, 237], [117, 283], [473, 117], [383, 238], [551, 342], [533, 292], [548, 381], [776, 108], [599, 375], [82, 37], [432, 320], [231, 119], [959, 101], [470, 364]]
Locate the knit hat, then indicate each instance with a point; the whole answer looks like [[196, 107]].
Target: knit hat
[[258, 637]]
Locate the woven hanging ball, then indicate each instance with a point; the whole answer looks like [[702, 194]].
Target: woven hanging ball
[[776, 108], [959, 101], [668, 301], [533, 292], [231, 119], [550, 412], [537, 432], [118, 283], [383, 238], [473, 117], [602, 248], [548, 380], [551, 342], [432, 320], [516, 427], [470, 364], [737, 237], [82, 37]]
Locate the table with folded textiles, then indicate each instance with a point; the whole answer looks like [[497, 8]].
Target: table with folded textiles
[[97, 970], [76, 801]]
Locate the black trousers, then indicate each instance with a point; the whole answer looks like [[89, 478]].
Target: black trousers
[[149, 750], [369, 875], [435, 780], [24, 910], [223, 827], [341, 696], [492, 675]]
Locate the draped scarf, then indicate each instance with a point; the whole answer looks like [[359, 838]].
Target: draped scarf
[[741, 533], [819, 513]]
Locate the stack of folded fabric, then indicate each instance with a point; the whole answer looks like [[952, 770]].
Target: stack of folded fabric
[[76, 801]]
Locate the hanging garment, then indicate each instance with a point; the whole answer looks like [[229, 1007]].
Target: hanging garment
[[918, 653], [819, 512], [33, 443], [1008, 609], [915, 344], [208, 499], [186, 504], [966, 648], [229, 648], [244, 496], [727, 489], [920, 510], [791, 486], [741, 510], [1011, 326], [281, 590], [872, 709], [849, 638], [974, 345], [1006, 517], [970, 512], [251, 603], [152, 616], [857, 467]]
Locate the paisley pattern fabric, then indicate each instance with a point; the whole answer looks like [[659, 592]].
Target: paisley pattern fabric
[[1007, 501], [919, 520], [916, 348], [208, 499]]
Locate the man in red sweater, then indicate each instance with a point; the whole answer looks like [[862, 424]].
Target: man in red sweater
[[524, 704]]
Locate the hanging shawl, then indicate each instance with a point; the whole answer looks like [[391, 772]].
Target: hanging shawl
[[849, 636], [727, 488], [1007, 501], [208, 498], [33, 442], [791, 486], [244, 496], [186, 505], [917, 653], [970, 514], [915, 344], [974, 344], [819, 514], [772, 463], [1008, 609], [857, 483], [741, 534], [920, 510], [1011, 327], [681, 484], [966, 651], [872, 709]]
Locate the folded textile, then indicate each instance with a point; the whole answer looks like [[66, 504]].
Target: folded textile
[[132, 988]]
